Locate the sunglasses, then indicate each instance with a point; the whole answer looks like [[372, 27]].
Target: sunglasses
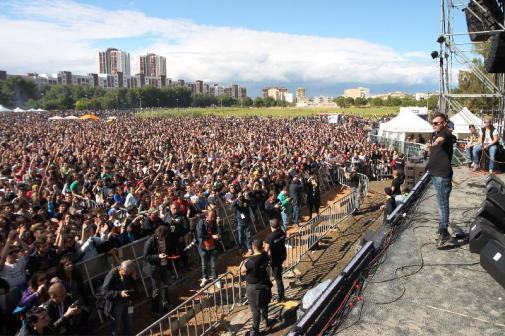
[[436, 123]]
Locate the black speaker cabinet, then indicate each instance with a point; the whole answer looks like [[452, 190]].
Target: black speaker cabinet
[[495, 62], [492, 259], [481, 231], [492, 213], [498, 199], [494, 184]]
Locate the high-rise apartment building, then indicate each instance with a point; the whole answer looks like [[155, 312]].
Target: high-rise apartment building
[[359, 92], [300, 93], [112, 61], [153, 65]]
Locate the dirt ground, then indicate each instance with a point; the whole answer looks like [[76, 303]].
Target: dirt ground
[[325, 262]]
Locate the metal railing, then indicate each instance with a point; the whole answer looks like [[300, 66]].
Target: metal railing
[[407, 148], [200, 313], [188, 320]]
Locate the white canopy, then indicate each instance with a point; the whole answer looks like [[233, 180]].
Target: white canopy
[[40, 110], [333, 119], [19, 109], [55, 118], [462, 120], [71, 118], [4, 109], [406, 123], [423, 110]]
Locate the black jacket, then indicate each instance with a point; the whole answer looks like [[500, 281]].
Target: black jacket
[[202, 232], [59, 324], [295, 192], [152, 251], [113, 284]]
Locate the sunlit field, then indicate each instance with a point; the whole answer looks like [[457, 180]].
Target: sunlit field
[[276, 112]]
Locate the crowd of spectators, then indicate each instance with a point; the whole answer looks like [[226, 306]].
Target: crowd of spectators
[[70, 190]]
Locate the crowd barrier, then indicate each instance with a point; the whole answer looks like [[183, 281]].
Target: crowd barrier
[[200, 313], [311, 233], [206, 315]]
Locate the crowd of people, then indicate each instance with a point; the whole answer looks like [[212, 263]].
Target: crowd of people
[[70, 190]]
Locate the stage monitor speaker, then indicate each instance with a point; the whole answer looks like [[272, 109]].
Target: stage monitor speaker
[[492, 259], [494, 184], [492, 213], [495, 62], [498, 199], [481, 231], [478, 20]]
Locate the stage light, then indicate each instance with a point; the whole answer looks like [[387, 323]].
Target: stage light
[[434, 54], [441, 39]]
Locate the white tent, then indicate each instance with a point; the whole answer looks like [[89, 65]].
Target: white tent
[[71, 118], [4, 109], [32, 110], [19, 109], [333, 119], [56, 118], [420, 111], [40, 110], [462, 120], [406, 123]]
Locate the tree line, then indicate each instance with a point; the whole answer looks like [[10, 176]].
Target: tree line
[[431, 101], [19, 91]]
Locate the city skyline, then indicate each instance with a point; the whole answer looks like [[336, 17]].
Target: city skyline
[[225, 45]]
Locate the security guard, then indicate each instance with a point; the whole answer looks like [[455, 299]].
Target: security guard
[[259, 286], [275, 245]]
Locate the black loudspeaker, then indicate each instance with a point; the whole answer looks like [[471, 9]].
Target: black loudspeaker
[[495, 62], [492, 259], [481, 232], [494, 184], [492, 213], [478, 19], [498, 199]]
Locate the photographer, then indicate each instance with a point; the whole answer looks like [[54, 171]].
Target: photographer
[[286, 208], [119, 291], [36, 322], [208, 233], [64, 312], [243, 217], [156, 252]]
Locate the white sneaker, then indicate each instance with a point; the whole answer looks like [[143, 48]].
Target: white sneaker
[[203, 283], [218, 284]]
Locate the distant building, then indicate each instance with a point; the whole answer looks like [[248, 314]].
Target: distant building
[[199, 86], [275, 93], [153, 65], [112, 61], [359, 92], [396, 94], [3, 75], [288, 97], [300, 93], [422, 96]]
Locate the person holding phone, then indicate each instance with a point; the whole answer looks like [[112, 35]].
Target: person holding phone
[[119, 290]]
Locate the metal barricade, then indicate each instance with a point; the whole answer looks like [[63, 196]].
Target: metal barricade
[[200, 313], [407, 148]]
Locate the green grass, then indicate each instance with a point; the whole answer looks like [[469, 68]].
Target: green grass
[[277, 112]]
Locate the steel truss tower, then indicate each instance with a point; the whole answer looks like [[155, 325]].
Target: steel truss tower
[[451, 50]]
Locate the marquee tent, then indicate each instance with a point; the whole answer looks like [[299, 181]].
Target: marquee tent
[[420, 111], [462, 120], [19, 109], [55, 118], [40, 110], [4, 109], [405, 124], [71, 118]]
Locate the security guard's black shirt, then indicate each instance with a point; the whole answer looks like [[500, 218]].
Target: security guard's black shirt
[[277, 242], [256, 267]]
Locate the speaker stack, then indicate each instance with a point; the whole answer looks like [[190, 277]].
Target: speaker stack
[[414, 171], [487, 233]]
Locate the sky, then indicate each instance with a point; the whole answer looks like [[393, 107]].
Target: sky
[[324, 46]]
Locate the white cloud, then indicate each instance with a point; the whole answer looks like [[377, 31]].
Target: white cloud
[[47, 36]]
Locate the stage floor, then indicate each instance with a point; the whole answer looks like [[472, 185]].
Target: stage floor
[[450, 294]]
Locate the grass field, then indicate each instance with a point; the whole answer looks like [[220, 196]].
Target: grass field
[[277, 112]]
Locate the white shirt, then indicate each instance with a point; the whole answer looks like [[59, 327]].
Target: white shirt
[[487, 137], [14, 274]]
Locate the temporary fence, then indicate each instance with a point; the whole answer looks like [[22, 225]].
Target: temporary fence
[[185, 319], [200, 313], [408, 148]]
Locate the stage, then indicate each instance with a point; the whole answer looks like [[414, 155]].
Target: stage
[[419, 290]]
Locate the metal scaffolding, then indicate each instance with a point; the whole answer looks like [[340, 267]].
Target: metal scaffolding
[[449, 52]]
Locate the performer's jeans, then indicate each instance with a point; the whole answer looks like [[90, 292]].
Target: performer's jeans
[[443, 187], [259, 297]]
